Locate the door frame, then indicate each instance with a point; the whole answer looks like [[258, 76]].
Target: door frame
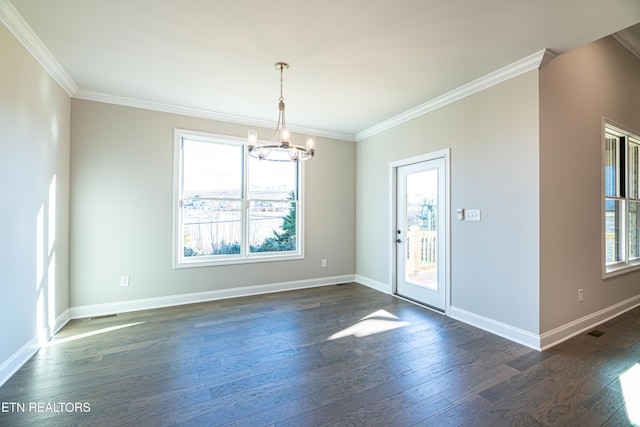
[[393, 200]]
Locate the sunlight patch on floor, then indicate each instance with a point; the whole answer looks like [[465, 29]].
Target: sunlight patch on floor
[[89, 334], [630, 382], [374, 323]]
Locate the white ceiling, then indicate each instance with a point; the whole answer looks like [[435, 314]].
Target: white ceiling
[[354, 63]]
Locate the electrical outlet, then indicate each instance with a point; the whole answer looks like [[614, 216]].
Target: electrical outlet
[[324, 263], [124, 281], [580, 295]]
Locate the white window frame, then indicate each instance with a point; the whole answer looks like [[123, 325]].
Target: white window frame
[[626, 265], [245, 256]]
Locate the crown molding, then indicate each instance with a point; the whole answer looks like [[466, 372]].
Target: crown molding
[[524, 65], [629, 40], [14, 22], [202, 113]]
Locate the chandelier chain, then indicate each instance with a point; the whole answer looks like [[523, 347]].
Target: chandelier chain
[[281, 84]]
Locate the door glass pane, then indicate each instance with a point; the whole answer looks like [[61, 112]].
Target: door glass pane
[[421, 266], [614, 219]]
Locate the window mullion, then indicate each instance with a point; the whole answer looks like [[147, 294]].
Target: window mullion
[[245, 202]]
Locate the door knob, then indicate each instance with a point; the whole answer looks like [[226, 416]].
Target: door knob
[[398, 241]]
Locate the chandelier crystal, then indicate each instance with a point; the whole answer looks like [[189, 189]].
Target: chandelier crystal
[[280, 148]]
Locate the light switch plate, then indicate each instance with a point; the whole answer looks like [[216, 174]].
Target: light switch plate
[[472, 214]]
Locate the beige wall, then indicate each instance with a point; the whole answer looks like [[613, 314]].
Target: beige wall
[[121, 209], [493, 136], [576, 90], [34, 189]]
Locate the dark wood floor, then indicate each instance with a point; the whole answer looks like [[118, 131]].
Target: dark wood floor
[[340, 355]]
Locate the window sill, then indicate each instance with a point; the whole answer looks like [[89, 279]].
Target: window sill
[[619, 269], [209, 262]]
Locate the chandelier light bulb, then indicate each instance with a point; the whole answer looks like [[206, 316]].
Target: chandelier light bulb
[[286, 137], [311, 143], [253, 138]]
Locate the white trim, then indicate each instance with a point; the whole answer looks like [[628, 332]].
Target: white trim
[[21, 30], [19, 358], [202, 113], [571, 329], [16, 24], [61, 321], [22, 356], [504, 330], [196, 297], [625, 266], [446, 155], [373, 284], [245, 256], [628, 39], [522, 66]]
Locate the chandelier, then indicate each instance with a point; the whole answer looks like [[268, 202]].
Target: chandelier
[[280, 148]]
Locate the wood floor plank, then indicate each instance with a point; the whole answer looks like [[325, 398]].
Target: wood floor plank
[[314, 357]]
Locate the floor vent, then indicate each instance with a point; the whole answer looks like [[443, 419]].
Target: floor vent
[[596, 333], [103, 317]]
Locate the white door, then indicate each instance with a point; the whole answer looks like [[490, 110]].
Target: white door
[[421, 226]]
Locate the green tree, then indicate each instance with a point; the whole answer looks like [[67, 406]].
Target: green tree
[[285, 240], [288, 226]]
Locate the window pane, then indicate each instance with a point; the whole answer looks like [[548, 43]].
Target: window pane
[[272, 226], [272, 180], [634, 160], [611, 166], [614, 217], [211, 227], [212, 169], [634, 230]]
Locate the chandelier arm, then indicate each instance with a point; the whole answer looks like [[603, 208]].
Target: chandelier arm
[[284, 121], [274, 138]]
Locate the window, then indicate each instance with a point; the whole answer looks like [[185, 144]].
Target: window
[[232, 208], [621, 200]]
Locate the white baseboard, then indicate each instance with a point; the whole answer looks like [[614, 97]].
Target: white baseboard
[[19, 358], [168, 301], [564, 332], [22, 356], [373, 284], [62, 320], [504, 330]]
